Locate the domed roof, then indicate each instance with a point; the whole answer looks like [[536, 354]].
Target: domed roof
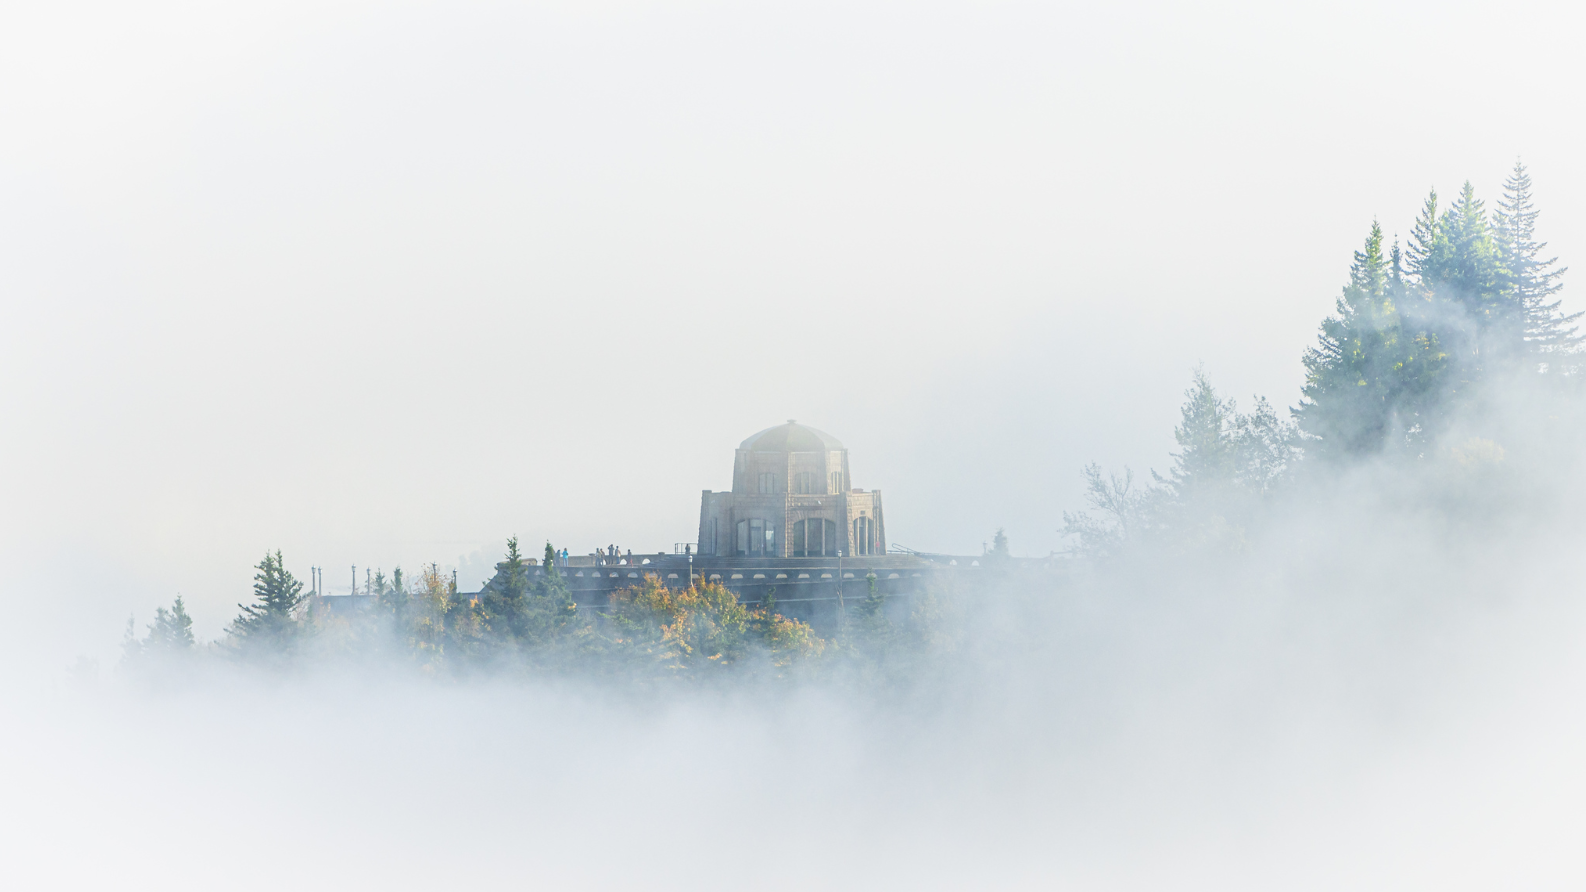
[[790, 437]]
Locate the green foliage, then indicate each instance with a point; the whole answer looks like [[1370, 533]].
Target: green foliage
[[999, 549], [700, 630], [169, 637], [394, 600], [1227, 465], [1413, 348], [1371, 381], [894, 642], [1407, 364], [1415, 337], [1551, 335], [273, 623], [526, 611], [172, 630]]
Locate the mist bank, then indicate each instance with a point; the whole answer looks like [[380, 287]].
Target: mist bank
[[1334, 646], [1377, 689]]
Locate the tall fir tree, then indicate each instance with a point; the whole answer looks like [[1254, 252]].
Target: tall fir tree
[[1370, 383], [172, 630], [1206, 461], [1550, 334], [551, 584], [1429, 248], [1474, 277], [504, 599], [1464, 301], [271, 622], [999, 549]]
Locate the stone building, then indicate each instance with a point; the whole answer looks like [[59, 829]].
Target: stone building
[[791, 497]]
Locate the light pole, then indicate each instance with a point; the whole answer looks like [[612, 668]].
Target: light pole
[[842, 614]]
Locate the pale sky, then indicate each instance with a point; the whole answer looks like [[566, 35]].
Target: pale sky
[[384, 284]]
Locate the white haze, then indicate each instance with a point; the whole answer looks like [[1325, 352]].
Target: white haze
[[385, 284], [1386, 694]]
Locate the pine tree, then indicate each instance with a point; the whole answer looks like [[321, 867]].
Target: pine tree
[[1370, 383], [1549, 332], [1474, 277], [504, 607], [515, 574], [999, 546], [1206, 461], [552, 585], [1464, 304], [131, 647], [1265, 447], [1227, 463], [1429, 248], [271, 622], [172, 630], [397, 602]]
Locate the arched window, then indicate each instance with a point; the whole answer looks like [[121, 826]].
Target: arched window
[[864, 536], [814, 538]]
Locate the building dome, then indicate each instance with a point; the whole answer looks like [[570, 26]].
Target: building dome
[[791, 497], [790, 437]]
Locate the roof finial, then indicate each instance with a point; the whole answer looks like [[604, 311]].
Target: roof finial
[[791, 421]]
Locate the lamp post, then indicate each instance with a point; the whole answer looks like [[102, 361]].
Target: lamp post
[[842, 613]]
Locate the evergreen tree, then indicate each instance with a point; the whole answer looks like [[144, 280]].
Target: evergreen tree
[[1479, 283], [871, 634], [1473, 275], [1207, 460], [1429, 246], [552, 586], [271, 622], [1465, 304], [131, 647], [1265, 449], [1549, 332], [999, 548], [397, 604], [503, 600], [170, 634], [1369, 382], [1227, 463], [172, 630], [524, 612], [514, 572]]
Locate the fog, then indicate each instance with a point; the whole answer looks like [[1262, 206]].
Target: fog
[[1384, 694], [385, 285]]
